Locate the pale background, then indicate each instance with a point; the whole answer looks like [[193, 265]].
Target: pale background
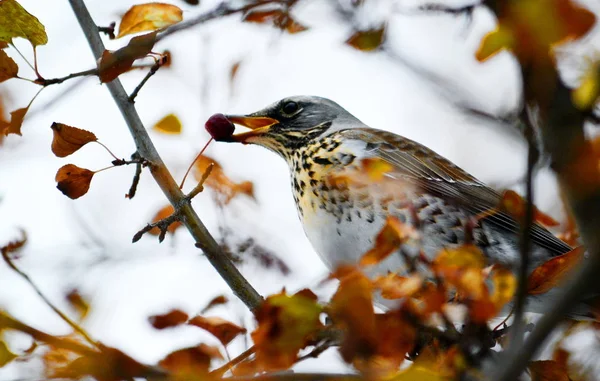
[[417, 87]]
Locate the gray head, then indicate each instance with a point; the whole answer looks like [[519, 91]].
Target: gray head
[[292, 122]]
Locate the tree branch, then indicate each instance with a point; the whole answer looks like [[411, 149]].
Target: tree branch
[[239, 285], [564, 139]]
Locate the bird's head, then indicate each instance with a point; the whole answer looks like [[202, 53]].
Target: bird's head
[[292, 122]]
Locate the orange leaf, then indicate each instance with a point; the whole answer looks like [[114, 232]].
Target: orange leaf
[[8, 67], [170, 124], [285, 325], [67, 139], [505, 285], [292, 26], [550, 273], [531, 28], [219, 181], [375, 168], [171, 319], [262, 16], [191, 363], [149, 16], [514, 205], [548, 370], [78, 303], [466, 256], [112, 64], [367, 40], [394, 286], [351, 308], [73, 181], [393, 234], [16, 121], [222, 329], [217, 300]]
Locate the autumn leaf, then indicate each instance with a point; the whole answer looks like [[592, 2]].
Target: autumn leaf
[[222, 329], [421, 373], [547, 370], [285, 325], [394, 286], [216, 301], [551, 273], [16, 121], [67, 139], [8, 67], [586, 95], [161, 215], [107, 365], [515, 205], [114, 63], [351, 309], [531, 28], [171, 319], [465, 256], [261, 17], [15, 21], [170, 124], [219, 181], [276, 17], [78, 303], [504, 286], [191, 363], [6, 355], [73, 181], [375, 169], [367, 40], [14, 246], [292, 26], [150, 16], [393, 234]]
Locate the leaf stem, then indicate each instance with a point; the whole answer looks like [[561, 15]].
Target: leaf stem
[[192, 164]]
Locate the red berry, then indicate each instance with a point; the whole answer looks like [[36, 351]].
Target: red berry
[[219, 127]]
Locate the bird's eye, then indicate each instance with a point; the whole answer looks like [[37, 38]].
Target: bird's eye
[[290, 108]]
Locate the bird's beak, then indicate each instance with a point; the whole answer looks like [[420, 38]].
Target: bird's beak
[[258, 125]]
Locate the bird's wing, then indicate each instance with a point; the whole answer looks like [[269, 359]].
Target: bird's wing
[[437, 176]]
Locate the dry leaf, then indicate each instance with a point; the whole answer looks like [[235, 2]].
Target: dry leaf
[[262, 16], [219, 181], [393, 234], [16, 121], [14, 246], [8, 67], [170, 124], [515, 205], [367, 40], [587, 94], [222, 329], [73, 181], [285, 325], [532, 28], [216, 301], [171, 319], [551, 273], [17, 22], [67, 139], [394, 286], [78, 303], [548, 370], [150, 16], [112, 64], [191, 363]]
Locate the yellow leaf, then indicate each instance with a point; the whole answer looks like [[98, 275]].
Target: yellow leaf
[[6, 355], [420, 373], [15, 21], [586, 95], [367, 40], [149, 16], [505, 285], [170, 124], [462, 257]]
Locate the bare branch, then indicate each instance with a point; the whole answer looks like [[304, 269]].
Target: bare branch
[[240, 286]]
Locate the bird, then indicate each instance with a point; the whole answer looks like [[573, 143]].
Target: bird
[[322, 143]]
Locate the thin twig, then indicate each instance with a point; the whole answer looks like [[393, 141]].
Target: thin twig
[[219, 372], [517, 329], [200, 187], [220, 11], [152, 71], [136, 176], [239, 285], [108, 30], [76, 327], [53, 81]]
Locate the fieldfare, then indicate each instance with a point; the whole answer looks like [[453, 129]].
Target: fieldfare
[[322, 143]]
